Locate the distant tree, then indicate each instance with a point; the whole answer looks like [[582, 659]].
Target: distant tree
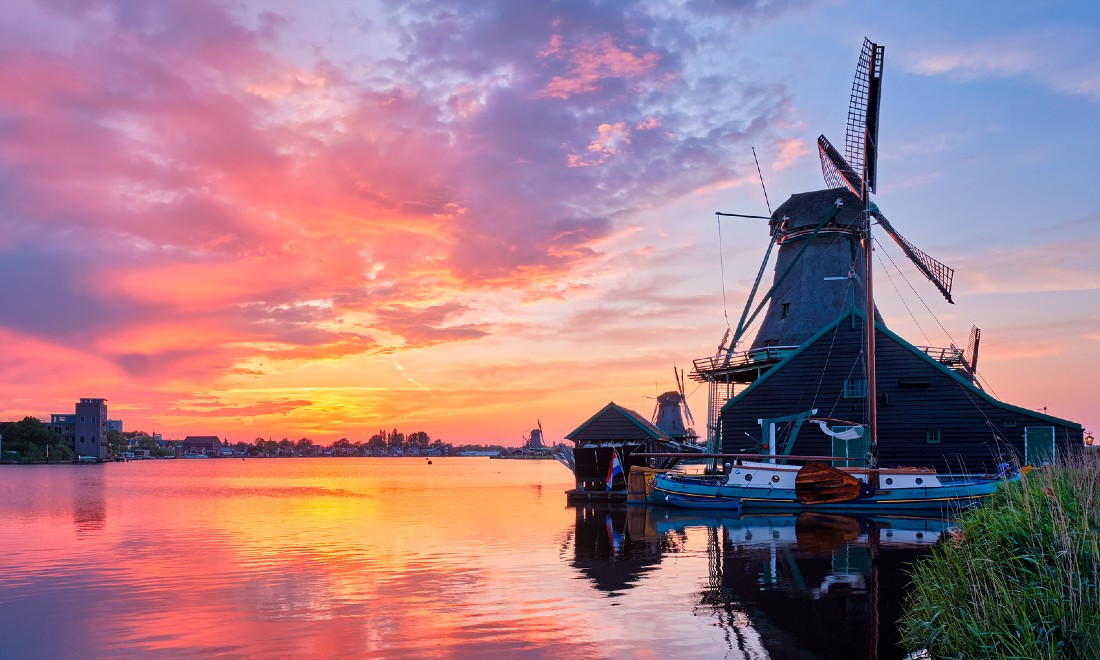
[[377, 443], [305, 446], [34, 441], [396, 440], [139, 439], [418, 439], [344, 447], [116, 443]]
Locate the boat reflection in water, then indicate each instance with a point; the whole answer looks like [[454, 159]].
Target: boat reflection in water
[[795, 585]]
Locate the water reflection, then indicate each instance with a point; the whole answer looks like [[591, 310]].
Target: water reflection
[[397, 558], [607, 553], [797, 585], [89, 500]]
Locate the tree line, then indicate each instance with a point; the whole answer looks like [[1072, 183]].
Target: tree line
[[31, 441]]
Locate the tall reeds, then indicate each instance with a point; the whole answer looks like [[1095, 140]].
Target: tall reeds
[[1021, 576]]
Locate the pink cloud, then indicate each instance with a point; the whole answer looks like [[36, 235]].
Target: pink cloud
[[190, 198], [590, 62]]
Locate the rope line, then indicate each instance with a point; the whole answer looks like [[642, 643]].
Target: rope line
[[722, 265]]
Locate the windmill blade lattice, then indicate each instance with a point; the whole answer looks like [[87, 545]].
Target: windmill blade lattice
[[861, 145], [837, 172], [861, 136], [936, 271]]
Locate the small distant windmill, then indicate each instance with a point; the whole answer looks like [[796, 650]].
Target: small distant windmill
[[671, 410]]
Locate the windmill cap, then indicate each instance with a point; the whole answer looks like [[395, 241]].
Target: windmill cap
[[807, 209]]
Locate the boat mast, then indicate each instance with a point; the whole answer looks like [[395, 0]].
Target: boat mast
[[869, 306]]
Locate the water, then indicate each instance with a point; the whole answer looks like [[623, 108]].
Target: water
[[461, 558]]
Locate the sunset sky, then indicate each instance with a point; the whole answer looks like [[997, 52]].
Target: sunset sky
[[277, 218]]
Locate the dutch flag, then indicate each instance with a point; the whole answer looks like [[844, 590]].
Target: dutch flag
[[616, 468]]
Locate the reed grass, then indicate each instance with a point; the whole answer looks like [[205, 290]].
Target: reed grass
[[1019, 579]]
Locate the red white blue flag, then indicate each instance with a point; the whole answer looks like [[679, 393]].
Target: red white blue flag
[[616, 468]]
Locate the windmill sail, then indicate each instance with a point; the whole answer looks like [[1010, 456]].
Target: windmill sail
[[837, 172], [861, 136], [970, 357], [937, 272], [861, 146]]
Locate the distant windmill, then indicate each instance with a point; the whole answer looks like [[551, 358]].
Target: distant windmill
[[671, 410]]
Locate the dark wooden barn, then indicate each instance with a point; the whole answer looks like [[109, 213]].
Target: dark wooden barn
[[929, 415]]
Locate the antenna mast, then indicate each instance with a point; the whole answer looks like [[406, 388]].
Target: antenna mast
[[759, 174]]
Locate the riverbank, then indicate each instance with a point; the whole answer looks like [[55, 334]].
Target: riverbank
[[1021, 577]]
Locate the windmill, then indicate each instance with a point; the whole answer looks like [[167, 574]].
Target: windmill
[[818, 238], [820, 233], [671, 410]]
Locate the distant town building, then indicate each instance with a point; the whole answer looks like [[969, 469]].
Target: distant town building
[[90, 428], [85, 431], [192, 445], [63, 425]]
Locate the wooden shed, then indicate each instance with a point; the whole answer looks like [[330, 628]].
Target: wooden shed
[[618, 429]]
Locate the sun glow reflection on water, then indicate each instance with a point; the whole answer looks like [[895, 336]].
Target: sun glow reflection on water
[[352, 558]]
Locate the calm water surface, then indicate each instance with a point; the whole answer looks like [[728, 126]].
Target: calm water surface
[[465, 557]]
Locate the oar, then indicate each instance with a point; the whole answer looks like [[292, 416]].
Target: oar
[[817, 483]]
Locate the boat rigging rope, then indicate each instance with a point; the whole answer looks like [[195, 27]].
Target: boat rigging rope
[[812, 266], [882, 250], [914, 290], [828, 356], [894, 284], [722, 264]]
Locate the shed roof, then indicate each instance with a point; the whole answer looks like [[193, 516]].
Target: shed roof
[[633, 417]]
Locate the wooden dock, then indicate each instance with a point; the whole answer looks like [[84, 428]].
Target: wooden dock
[[577, 496]]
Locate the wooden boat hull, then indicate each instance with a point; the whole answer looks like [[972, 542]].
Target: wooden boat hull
[[704, 502]]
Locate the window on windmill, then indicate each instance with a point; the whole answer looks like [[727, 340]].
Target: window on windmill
[[932, 437], [786, 309], [1010, 423], [855, 388]]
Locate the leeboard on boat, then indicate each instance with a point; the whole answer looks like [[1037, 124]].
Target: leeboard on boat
[[817, 483]]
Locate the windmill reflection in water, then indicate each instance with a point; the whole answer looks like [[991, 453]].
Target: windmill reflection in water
[[779, 585]]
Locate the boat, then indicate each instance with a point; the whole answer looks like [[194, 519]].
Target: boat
[[815, 485], [716, 502], [771, 479]]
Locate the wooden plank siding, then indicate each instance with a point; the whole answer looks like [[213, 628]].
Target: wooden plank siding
[[916, 395]]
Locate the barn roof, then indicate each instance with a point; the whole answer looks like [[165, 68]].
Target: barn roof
[[970, 387]]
